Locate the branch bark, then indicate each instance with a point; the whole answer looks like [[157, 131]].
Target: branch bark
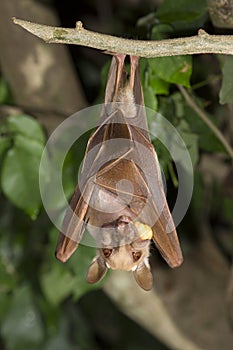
[[147, 309], [201, 43]]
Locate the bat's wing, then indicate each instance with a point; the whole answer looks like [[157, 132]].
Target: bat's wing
[[156, 212], [96, 155], [74, 223]]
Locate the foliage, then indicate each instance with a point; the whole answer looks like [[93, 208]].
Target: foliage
[[226, 92], [37, 293], [19, 178]]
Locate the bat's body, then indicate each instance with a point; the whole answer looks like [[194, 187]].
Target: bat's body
[[120, 197]]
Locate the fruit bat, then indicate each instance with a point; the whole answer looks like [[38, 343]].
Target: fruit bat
[[120, 197]]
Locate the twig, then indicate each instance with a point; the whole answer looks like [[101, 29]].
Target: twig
[[201, 43], [206, 120]]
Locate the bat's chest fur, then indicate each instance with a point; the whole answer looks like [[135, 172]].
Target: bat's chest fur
[[126, 102]]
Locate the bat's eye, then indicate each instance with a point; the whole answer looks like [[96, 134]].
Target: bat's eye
[[107, 252], [136, 255]]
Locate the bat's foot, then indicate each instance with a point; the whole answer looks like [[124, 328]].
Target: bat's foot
[[134, 61]]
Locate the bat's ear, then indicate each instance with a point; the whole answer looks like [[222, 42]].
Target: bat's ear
[[96, 270], [143, 276]]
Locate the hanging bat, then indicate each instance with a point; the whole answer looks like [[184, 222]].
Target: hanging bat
[[120, 197]]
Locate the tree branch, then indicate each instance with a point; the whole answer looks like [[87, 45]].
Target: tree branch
[[148, 310], [201, 43], [206, 120]]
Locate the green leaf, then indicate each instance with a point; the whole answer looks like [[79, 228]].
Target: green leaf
[[66, 279], [52, 190], [164, 157], [174, 69], [183, 14], [207, 139], [19, 178], [152, 84], [4, 144], [226, 92], [167, 107], [22, 327], [175, 111], [57, 283], [190, 139], [159, 86], [157, 128], [161, 31], [70, 316], [26, 126], [79, 264], [178, 101], [150, 98]]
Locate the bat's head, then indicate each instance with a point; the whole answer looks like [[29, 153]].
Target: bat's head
[[129, 257]]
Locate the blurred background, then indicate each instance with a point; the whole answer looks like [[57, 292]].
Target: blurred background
[[47, 305]]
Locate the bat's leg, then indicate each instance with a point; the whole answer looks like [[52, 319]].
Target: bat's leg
[[134, 60], [116, 78], [120, 58]]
